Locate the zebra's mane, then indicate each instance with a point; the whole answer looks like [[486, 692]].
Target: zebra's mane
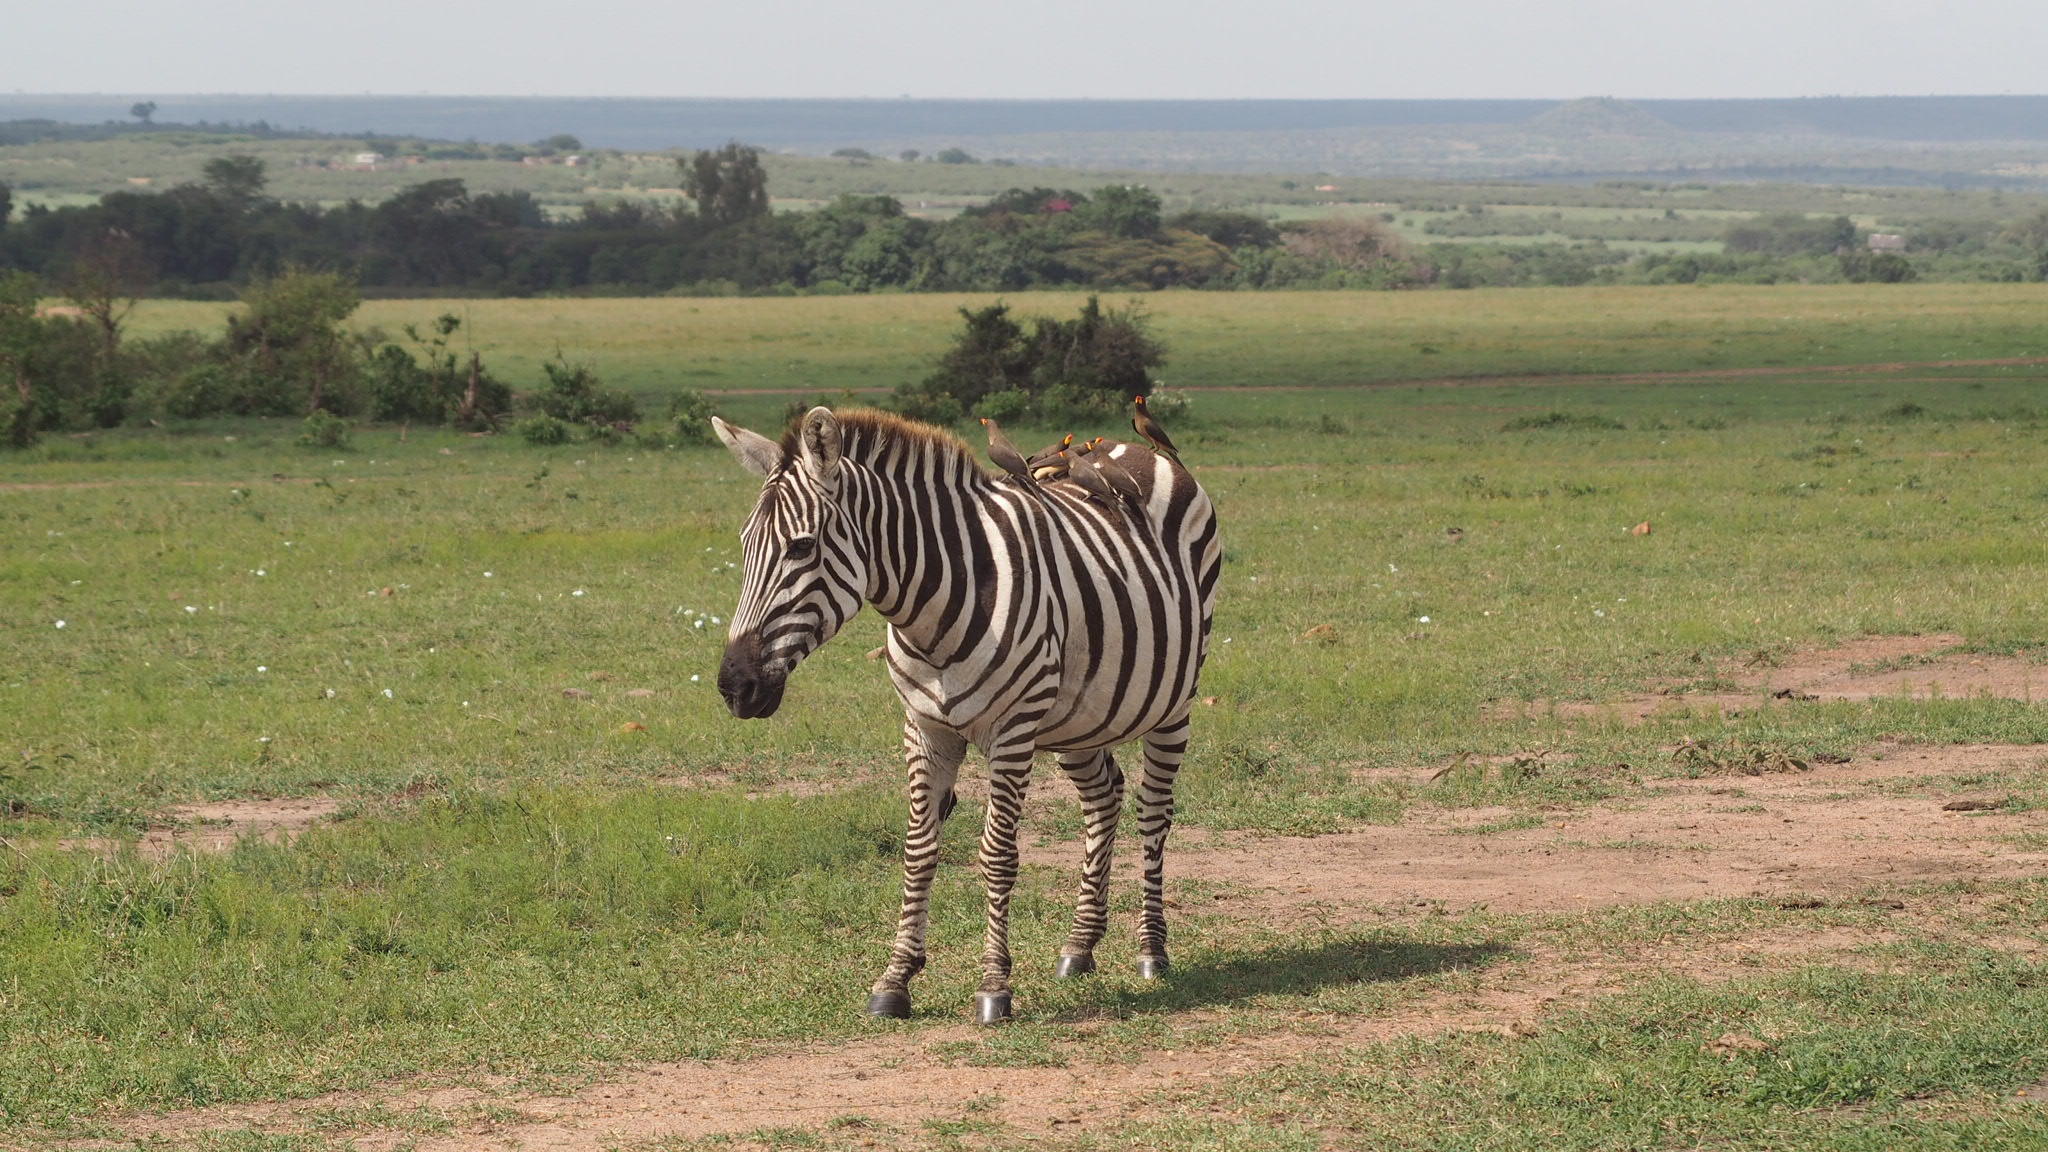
[[878, 439]]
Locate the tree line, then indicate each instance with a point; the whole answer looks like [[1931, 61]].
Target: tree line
[[211, 238]]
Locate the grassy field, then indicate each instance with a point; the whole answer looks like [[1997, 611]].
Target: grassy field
[[1320, 340], [550, 858]]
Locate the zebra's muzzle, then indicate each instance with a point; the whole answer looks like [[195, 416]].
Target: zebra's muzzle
[[750, 690]]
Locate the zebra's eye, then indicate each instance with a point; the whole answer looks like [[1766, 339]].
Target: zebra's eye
[[800, 548]]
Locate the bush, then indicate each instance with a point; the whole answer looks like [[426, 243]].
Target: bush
[[575, 395], [689, 418], [1008, 405], [323, 429], [1093, 363], [543, 431], [400, 389]]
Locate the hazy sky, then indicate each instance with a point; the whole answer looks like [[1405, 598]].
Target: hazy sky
[[1032, 48]]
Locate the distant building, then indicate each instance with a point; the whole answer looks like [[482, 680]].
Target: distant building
[[573, 161], [1887, 242], [368, 159]]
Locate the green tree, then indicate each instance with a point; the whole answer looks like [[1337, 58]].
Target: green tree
[[19, 341], [955, 156], [560, 142], [1126, 210], [103, 278], [729, 185], [1093, 362], [6, 204], [142, 110], [238, 179], [290, 337]]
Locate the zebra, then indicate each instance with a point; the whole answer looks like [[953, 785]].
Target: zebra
[[1024, 617]]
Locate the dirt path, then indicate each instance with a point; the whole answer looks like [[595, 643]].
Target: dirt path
[[1838, 831]]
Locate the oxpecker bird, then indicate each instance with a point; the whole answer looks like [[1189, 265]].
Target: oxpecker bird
[[1044, 455], [1088, 474], [1050, 467], [1154, 435], [1004, 453]]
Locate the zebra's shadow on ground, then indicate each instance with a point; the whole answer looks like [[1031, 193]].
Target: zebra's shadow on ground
[[1208, 979]]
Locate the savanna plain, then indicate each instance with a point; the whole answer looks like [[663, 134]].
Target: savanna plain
[[1621, 731]]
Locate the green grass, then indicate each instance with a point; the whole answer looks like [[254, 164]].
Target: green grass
[[1296, 339], [227, 632]]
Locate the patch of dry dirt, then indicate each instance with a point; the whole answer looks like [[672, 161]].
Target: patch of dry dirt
[[1874, 667], [214, 826]]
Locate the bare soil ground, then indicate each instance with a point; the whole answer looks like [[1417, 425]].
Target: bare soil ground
[[1879, 824], [214, 826], [1913, 667]]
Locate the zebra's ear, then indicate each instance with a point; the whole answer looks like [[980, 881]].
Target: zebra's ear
[[821, 440], [755, 452]]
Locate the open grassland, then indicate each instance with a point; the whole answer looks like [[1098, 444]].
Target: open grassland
[[1295, 339], [550, 852]]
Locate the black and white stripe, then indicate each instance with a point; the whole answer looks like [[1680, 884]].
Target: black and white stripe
[[1024, 617]]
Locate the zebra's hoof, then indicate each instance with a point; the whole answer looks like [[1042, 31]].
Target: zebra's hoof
[[1070, 966], [894, 1005], [1152, 967], [991, 1007]]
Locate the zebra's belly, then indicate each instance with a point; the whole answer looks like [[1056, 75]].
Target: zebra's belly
[[1070, 711]]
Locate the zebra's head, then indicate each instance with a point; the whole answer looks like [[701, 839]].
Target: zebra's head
[[802, 579]]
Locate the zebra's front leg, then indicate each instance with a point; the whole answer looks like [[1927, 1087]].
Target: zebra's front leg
[[1101, 785], [934, 761], [1009, 773], [1165, 748]]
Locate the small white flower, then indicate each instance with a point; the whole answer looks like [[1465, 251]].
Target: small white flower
[[694, 679], [330, 693], [697, 623], [76, 583], [1422, 619], [387, 694], [263, 667], [1600, 612], [60, 623], [716, 620], [577, 592], [1226, 639], [1391, 568], [263, 739], [488, 575], [190, 608]]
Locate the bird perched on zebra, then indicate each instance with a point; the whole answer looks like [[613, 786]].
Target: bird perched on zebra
[[1022, 619], [1004, 453], [1149, 430]]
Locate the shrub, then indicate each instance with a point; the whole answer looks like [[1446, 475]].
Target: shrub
[[544, 430], [689, 418], [575, 395], [1092, 363], [323, 429]]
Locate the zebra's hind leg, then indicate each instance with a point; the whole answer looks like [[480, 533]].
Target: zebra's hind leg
[[934, 761], [1009, 772], [1101, 784], [1165, 748]]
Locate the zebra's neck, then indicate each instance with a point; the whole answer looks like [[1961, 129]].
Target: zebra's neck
[[943, 543]]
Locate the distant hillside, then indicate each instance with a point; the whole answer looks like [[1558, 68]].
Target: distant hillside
[[1961, 141]]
